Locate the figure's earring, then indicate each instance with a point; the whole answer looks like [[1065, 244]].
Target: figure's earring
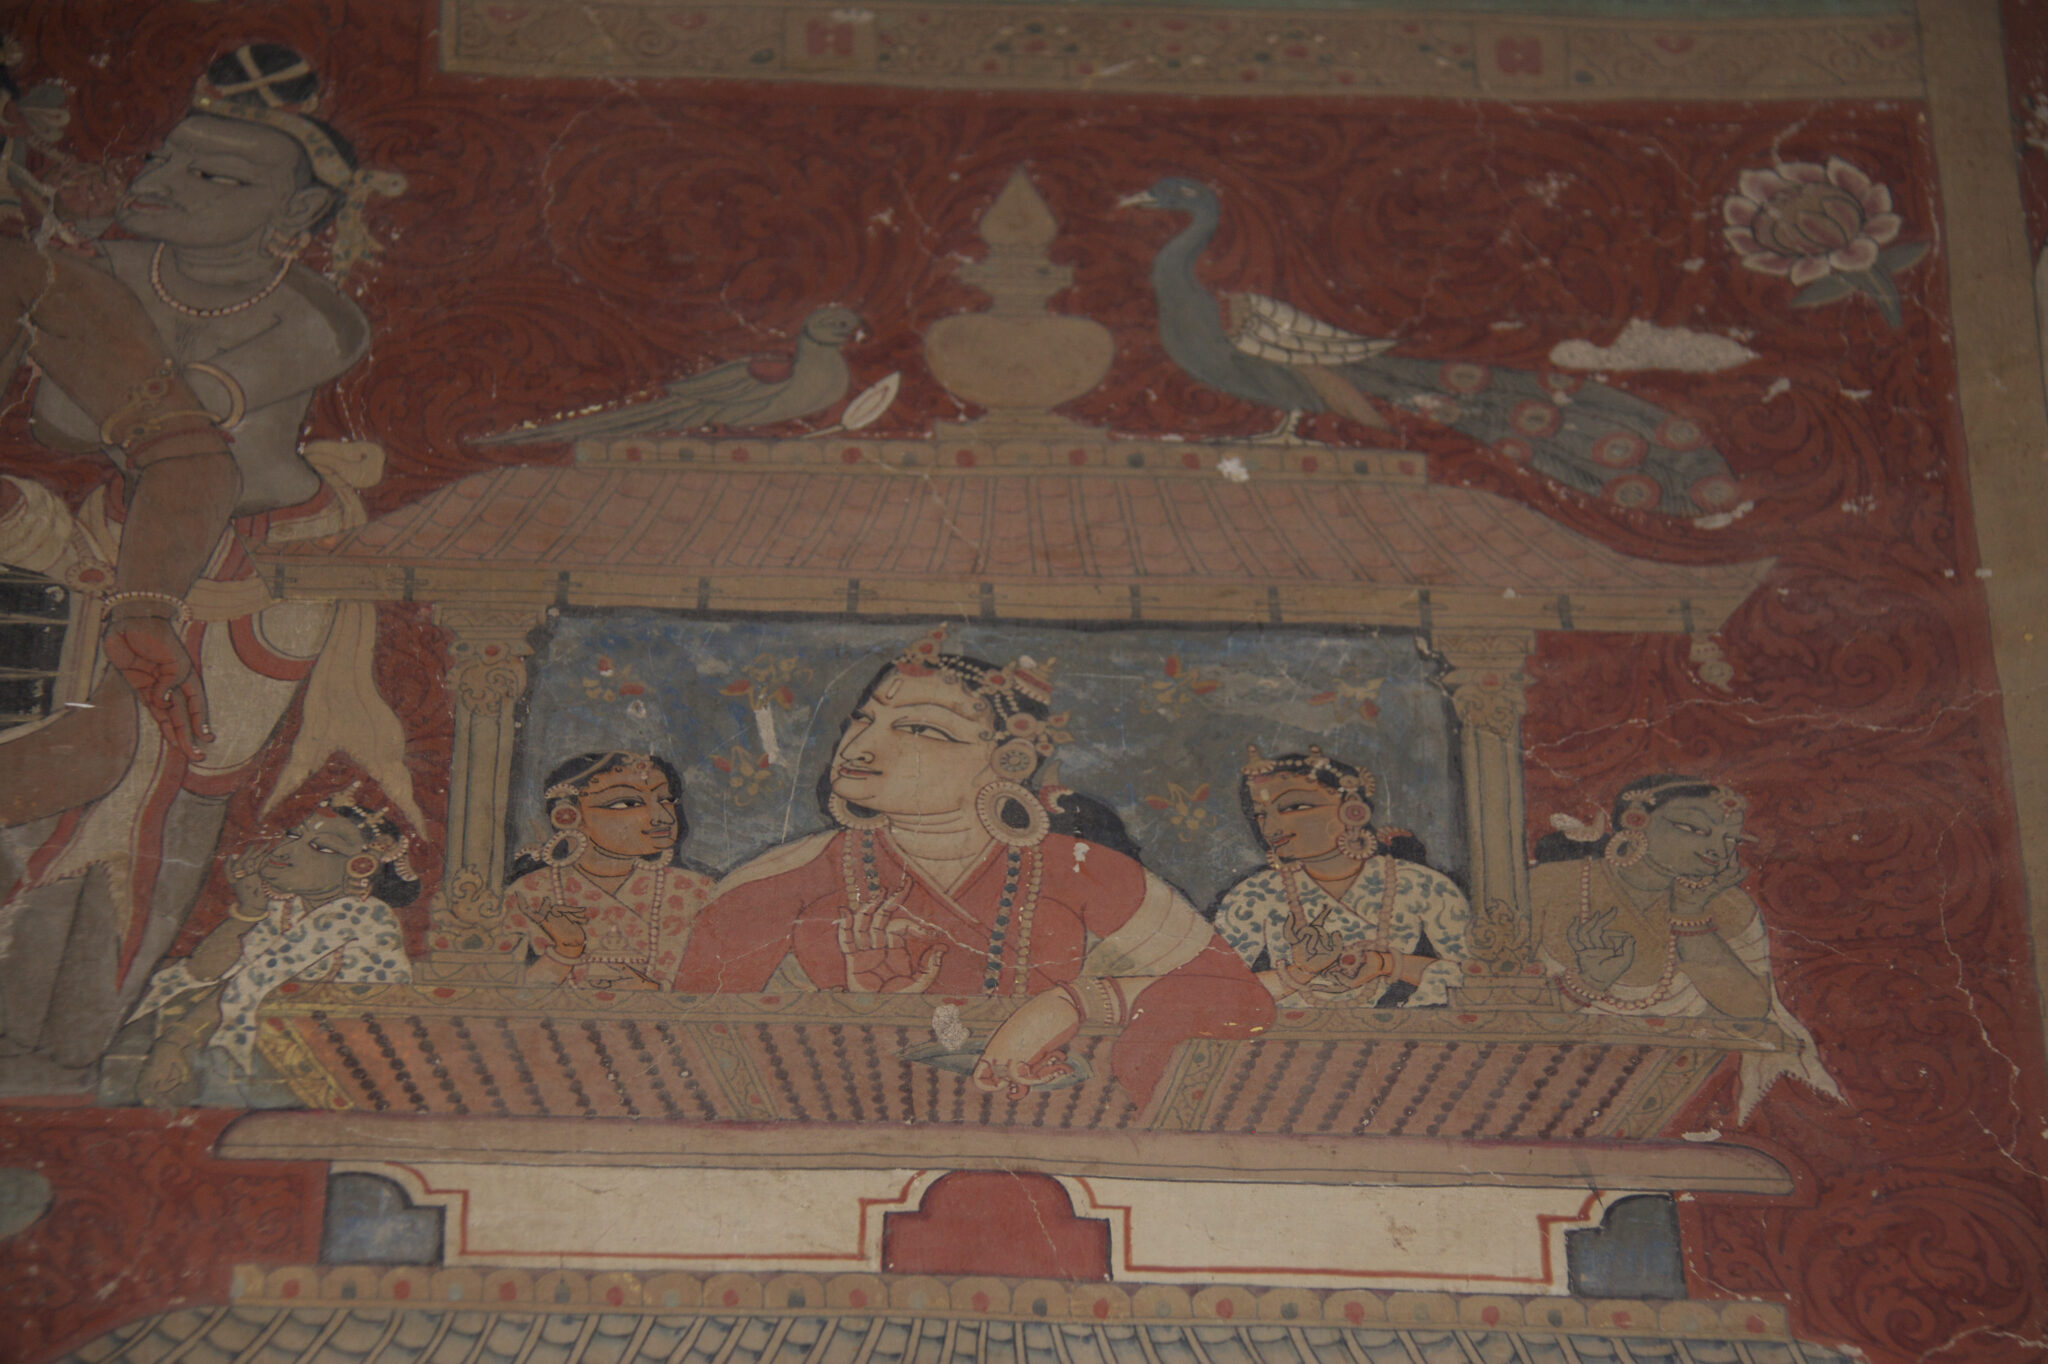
[[569, 842], [362, 869], [846, 817], [1015, 761], [1357, 841], [281, 247], [994, 804], [1624, 850], [1627, 846]]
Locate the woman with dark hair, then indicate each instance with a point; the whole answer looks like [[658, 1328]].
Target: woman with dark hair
[[1342, 913], [950, 873], [605, 900], [312, 905], [1644, 916]]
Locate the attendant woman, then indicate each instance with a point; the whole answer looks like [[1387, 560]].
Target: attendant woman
[[1645, 916], [605, 902], [314, 905], [1342, 913], [949, 873]]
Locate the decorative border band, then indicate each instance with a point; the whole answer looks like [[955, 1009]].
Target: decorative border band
[[517, 1290], [983, 46]]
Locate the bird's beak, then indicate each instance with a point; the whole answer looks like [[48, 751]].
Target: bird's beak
[[1142, 199]]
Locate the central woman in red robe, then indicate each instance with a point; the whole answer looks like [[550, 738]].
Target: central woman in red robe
[[950, 873]]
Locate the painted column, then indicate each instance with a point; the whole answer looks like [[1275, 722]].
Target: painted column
[[1488, 693], [487, 653]]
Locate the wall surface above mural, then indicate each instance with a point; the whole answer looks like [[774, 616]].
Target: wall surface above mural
[[1158, 682]]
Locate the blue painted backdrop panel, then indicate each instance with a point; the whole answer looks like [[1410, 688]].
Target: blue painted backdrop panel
[[1157, 714]]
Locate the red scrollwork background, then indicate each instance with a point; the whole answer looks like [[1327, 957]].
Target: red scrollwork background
[[564, 243]]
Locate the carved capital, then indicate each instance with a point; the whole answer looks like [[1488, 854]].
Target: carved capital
[[1498, 938], [487, 653], [468, 898], [1492, 701]]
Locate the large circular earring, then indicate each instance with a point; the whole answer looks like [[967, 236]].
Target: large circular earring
[[846, 817], [1358, 842], [993, 803], [565, 848], [362, 869], [1624, 849]]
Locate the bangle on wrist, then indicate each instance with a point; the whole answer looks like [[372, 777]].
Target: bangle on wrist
[[178, 615]]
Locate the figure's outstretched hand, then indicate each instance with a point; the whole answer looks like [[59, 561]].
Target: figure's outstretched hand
[[887, 949], [147, 651], [1029, 1050], [1604, 952]]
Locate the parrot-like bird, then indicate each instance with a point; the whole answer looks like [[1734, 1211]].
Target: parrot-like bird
[[756, 391], [1587, 435]]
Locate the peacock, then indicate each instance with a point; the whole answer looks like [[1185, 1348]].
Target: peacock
[[1585, 434]]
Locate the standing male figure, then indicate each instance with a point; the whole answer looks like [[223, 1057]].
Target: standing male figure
[[188, 354]]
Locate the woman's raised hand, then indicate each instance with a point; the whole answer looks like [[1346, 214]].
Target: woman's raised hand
[[245, 874], [888, 950], [1604, 952]]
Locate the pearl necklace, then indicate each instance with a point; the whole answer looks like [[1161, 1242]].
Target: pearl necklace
[[1575, 984], [156, 282], [1382, 938], [1011, 906]]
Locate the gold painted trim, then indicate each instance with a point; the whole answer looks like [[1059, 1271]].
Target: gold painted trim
[[1258, 52], [2000, 391]]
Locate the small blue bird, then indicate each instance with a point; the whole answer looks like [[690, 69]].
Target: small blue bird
[[1584, 434]]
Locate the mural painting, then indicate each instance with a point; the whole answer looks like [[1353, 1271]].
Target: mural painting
[[1156, 682]]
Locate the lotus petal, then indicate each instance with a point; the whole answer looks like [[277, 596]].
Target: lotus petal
[[1846, 176], [1809, 268], [1738, 211], [1860, 254], [1761, 185], [1804, 172], [1877, 199], [1883, 227]]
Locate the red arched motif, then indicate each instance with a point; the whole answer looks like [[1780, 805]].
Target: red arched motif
[[1000, 1223]]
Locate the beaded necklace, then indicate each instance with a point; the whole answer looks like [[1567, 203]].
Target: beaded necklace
[[1383, 935], [1575, 984], [156, 282], [1011, 907]]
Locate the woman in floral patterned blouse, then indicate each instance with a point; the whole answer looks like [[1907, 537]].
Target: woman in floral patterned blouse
[[1341, 914], [313, 905], [605, 903]]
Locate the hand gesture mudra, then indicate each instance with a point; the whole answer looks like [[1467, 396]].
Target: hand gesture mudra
[[1603, 952], [888, 950], [245, 874], [563, 924], [147, 652]]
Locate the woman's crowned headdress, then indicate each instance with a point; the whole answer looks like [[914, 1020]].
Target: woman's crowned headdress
[[1019, 695]]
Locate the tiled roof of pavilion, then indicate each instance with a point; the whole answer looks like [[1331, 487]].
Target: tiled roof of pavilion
[[819, 517]]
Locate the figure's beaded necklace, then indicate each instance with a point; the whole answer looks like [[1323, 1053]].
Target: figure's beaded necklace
[[1010, 908], [1383, 932], [156, 283], [1575, 984]]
